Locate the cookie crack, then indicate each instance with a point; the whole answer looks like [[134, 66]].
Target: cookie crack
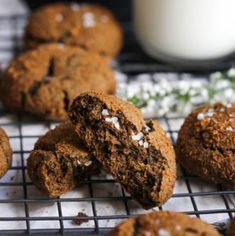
[[37, 84], [136, 227], [66, 100]]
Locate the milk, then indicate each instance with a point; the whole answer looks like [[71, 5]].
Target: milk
[[186, 30]]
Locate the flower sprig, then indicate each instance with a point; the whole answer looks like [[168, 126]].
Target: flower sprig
[[161, 94]]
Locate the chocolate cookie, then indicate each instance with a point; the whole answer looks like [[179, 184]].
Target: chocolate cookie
[[91, 27], [231, 228], [137, 154], [206, 143], [45, 81], [164, 223], [5, 153], [59, 161]]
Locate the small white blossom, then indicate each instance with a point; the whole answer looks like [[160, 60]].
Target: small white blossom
[[231, 72]]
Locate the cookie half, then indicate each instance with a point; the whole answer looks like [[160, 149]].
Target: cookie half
[[5, 153], [91, 27], [59, 161], [137, 154], [164, 223], [44, 81], [206, 143]]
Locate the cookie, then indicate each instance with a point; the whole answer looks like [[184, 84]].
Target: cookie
[[59, 161], [164, 223], [231, 228], [91, 27], [44, 81], [5, 153], [206, 141], [137, 154]]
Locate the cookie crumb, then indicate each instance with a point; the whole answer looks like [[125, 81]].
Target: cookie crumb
[[80, 221], [59, 18], [88, 20]]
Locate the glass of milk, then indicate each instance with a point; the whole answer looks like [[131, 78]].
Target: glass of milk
[[186, 31]]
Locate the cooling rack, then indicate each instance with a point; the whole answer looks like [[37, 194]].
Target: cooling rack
[[26, 211]]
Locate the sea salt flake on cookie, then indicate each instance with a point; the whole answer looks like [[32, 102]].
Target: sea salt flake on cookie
[[177, 227], [105, 112], [137, 137], [146, 128], [200, 116], [59, 17], [113, 120], [146, 145], [229, 129], [88, 163], [163, 232], [75, 6], [88, 20]]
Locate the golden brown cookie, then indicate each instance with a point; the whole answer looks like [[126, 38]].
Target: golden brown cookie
[[60, 161], [137, 154], [88, 26], [231, 228], [5, 153], [44, 81], [164, 223], [206, 143]]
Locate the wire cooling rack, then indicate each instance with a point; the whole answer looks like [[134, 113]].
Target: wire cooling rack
[[26, 211]]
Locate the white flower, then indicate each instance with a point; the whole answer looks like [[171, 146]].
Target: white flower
[[231, 72]]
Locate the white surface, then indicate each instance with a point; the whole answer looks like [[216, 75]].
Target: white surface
[[186, 29]]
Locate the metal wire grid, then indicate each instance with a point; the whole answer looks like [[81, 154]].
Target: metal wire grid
[[105, 202]]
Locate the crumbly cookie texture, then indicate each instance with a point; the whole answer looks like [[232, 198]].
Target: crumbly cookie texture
[[137, 154], [206, 142], [60, 161], [164, 223], [44, 81], [5, 153], [91, 27]]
